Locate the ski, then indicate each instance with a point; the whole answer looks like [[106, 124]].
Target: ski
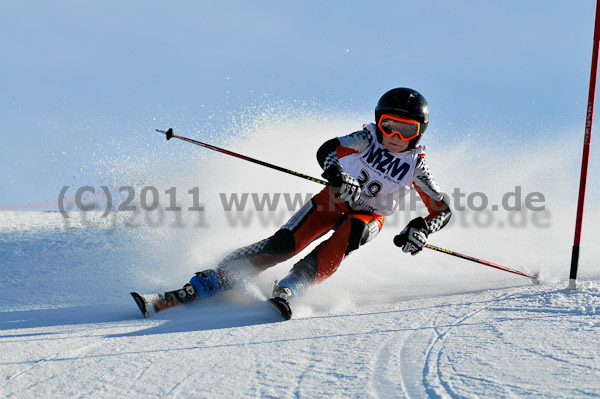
[[150, 304], [282, 307]]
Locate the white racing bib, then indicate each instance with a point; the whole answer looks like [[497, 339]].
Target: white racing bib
[[384, 177]]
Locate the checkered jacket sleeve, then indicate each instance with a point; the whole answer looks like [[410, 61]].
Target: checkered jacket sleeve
[[354, 142], [436, 201]]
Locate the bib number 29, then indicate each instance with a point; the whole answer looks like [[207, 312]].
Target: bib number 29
[[370, 189]]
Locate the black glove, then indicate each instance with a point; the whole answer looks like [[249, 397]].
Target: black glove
[[346, 186], [412, 239]]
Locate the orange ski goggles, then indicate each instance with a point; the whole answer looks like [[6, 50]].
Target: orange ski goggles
[[407, 129]]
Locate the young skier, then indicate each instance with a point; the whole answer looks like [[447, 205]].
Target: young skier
[[368, 172]]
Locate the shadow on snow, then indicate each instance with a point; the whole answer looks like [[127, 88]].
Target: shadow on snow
[[193, 317]]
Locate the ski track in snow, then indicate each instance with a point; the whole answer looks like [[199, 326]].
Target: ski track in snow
[[446, 347]]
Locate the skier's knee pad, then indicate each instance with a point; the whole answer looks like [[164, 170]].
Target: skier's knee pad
[[359, 235], [281, 242]]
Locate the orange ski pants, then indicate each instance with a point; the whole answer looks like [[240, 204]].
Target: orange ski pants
[[322, 214]]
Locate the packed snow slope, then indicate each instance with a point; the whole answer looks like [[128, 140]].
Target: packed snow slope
[[384, 325]]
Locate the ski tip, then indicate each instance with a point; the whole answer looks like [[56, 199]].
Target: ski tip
[[282, 307], [140, 303]]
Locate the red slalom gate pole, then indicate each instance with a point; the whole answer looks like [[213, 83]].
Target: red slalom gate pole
[[586, 152]]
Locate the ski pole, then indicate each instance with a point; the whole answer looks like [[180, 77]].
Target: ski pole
[[169, 133], [534, 277]]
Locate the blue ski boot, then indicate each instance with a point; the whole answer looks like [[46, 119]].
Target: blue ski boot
[[208, 283], [284, 290], [203, 285]]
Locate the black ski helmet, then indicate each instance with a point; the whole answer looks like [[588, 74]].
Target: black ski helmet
[[406, 103]]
